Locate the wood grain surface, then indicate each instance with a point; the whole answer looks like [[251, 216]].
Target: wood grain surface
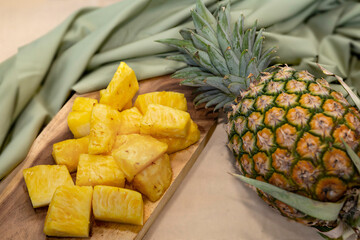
[[19, 220]]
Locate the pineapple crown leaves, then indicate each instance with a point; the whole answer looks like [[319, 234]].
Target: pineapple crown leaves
[[219, 60]]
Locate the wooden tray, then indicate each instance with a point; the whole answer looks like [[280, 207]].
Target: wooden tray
[[18, 220]]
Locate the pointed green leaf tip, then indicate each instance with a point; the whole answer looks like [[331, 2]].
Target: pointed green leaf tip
[[203, 11], [327, 211], [226, 53]]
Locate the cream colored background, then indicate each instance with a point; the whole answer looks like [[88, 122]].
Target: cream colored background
[[210, 204]]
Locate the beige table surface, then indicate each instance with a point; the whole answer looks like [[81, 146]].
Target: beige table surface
[[209, 204]]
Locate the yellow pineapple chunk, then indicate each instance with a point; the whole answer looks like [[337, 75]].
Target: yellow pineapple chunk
[[118, 205], [128, 105], [121, 89], [79, 123], [84, 104], [134, 152], [163, 121], [103, 125], [129, 121], [69, 212], [67, 152], [79, 118], [177, 144], [42, 181], [170, 99], [99, 170], [154, 179]]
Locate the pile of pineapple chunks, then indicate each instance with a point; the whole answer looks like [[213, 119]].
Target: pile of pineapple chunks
[[120, 153]]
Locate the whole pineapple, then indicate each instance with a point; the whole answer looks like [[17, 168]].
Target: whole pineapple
[[285, 127], [288, 130]]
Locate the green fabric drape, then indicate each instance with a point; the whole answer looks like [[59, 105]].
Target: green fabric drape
[[83, 52]]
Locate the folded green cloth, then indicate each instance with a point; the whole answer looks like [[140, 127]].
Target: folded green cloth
[[83, 52]]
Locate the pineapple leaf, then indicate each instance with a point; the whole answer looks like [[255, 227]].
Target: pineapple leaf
[[191, 83], [217, 82], [223, 28], [231, 61], [190, 72], [182, 58], [242, 64], [251, 68], [236, 87], [236, 41], [203, 28], [237, 79], [186, 33], [223, 39], [354, 157], [186, 46], [224, 18], [208, 93], [325, 71], [258, 43], [200, 42], [215, 100], [266, 58], [226, 81], [177, 43], [239, 33], [245, 43], [204, 89], [208, 98], [204, 61], [241, 25], [267, 53], [327, 211], [251, 37], [206, 14], [223, 103], [190, 69], [199, 80], [218, 60]]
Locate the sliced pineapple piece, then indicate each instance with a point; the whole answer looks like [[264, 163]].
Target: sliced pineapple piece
[[170, 99], [118, 205], [99, 170], [154, 179], [129, 121], [163, 121], [79, 123], [177, 144], [79, 118], [67, 152], [69, 212], [128, 105], [84, 104], [134, 152], [42, 181], [104, 122], [121, 89]]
